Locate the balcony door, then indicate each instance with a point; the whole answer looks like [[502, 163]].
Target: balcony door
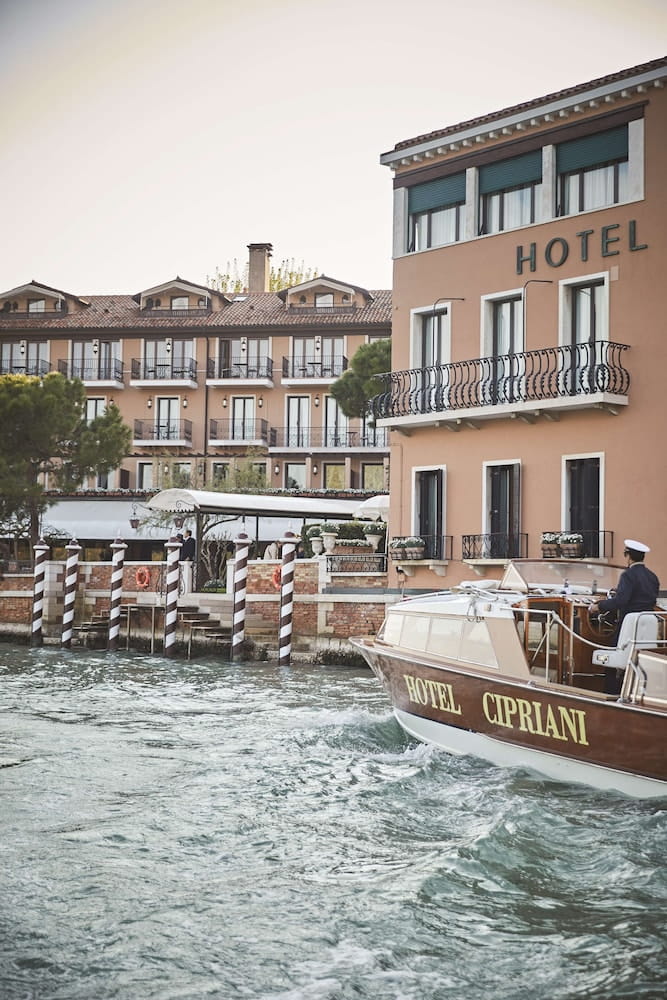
[[167, 422], [506, 344], [243, 418], [433, 351], [298, 422], [583, 490], [503, 515], [588, 312], [429, 508], [335, 424]]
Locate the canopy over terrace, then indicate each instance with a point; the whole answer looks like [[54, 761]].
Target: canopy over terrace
[[256, 505]]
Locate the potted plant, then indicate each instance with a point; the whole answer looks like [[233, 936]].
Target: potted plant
[[373, 532], [550, 544], [314, 537], [329, 533], [414, 547], [571, 544], [397, 548]]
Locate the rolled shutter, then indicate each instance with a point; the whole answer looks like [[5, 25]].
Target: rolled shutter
[[437, 194], [526, 169], [593, 150]]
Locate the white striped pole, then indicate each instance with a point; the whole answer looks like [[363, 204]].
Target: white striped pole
[[118, 558], [173, 547], [41, 552], [288, 543], [71, 578], [242, 548]]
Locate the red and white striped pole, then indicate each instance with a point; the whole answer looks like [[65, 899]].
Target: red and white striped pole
[[71, 579], [173, 547], [118, 558], [288, 543], [242, 549], [41, 551]]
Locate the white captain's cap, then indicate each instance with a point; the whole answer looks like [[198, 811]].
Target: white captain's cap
[[631, 543]]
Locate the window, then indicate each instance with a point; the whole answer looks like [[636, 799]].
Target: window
[[333, 476], [592, 172], [144, 475], [372, 477], [585, 328], [431, 341], [166, 359], [429, 500], [23, 358], [94, 359], [324, 300], [435, 212], [295, 476], [509, 193], [167, 421], [500, 373], [180, 474], [95, 408], [335, 425], [220, 472], [179, 302], [36, 305], [318, 357], [583, 490]]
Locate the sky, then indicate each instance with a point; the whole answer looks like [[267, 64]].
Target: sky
[[148, 138]]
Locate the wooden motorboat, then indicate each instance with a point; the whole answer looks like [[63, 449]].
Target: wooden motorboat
[[513, 671]]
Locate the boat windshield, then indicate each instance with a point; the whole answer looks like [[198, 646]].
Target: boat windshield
[[528, 574]]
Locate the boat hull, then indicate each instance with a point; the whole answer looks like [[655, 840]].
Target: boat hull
[[564, 734]]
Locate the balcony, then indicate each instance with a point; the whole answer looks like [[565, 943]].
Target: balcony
[[577, 376], [107, 372], [321, 439], [163, 432], [166, 371], [25, 368], [435, 553], [238, 432], [594, 545], [313, 369], [258, 371], [494, 546]]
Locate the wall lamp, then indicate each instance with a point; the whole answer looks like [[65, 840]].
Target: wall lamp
[[149, 402], [134, 519], [224, 402], [446, 298], [260, 402], [317, 400], [178, 520], [276, 470], [96, 346], [167, 345], [315, 470], [185, 402], [22, 346]]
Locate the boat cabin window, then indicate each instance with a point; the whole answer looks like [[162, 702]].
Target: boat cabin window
[[440, 636]]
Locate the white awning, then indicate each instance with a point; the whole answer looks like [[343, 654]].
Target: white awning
[[252, 504]]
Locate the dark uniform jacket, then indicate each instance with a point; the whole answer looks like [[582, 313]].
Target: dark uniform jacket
[[637, 590]]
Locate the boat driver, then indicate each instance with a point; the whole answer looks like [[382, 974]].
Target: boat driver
[[637, 590]]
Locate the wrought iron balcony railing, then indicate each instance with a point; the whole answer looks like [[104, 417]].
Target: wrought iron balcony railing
[[165, 370], [319, 437], [532, 376], [240, 368], [93, 371], [24, 368], [495, 545], [352, 563], [163, 430], [310, 368], [241, 430], [437, 547]]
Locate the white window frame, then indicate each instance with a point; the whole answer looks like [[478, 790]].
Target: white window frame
[[565, 287], [486, 319], [486, 465], [414, 472]]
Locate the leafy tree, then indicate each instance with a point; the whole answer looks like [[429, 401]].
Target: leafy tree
[[45, 433], [235, 279], [356, 385]]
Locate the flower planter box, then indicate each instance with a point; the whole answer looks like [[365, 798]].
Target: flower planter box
[[550, 550], [571, 550]]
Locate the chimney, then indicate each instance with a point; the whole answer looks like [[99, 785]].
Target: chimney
[[259, 268]]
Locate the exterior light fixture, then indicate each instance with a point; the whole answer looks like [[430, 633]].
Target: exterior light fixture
[[178, 520], [315, 470], [224, 402], [317, 400], [96, 347], [149, 402], [185, 402], [134, 519], [167, 345], [276, 470], [260, 402], [22, 347]]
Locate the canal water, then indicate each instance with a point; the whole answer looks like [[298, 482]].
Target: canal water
[[202, 829]]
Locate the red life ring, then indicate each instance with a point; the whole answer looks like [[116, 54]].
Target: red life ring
[[143, 577], [276, 578]]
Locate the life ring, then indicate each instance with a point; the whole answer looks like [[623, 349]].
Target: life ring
[[276, 579], [142, 577]]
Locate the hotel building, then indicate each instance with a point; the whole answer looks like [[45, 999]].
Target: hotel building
[[528, 339]]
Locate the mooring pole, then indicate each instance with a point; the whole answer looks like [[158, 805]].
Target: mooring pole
[[173, 547], [118, 558], [288, 543], [41, 551], [242, 549], [71, 579]]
